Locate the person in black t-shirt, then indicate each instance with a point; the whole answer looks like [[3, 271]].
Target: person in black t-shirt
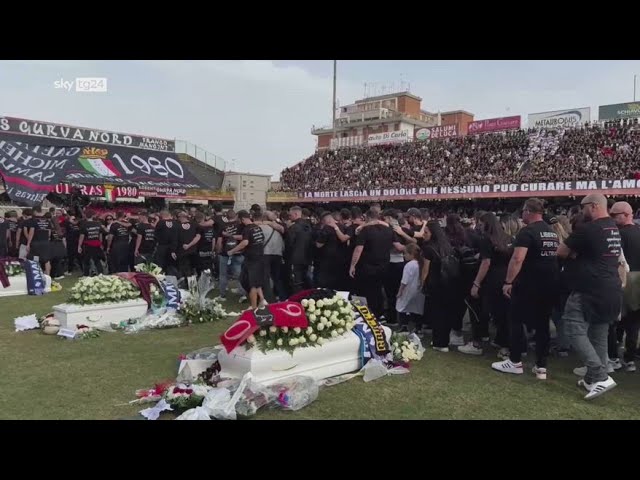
[[188, 238], [331, 253], [21, 236], [57, 247], [206, 245], [145, 240], [90, 244], [596, 291], [298, 251], [38, 235], [118, 244], [622, 214], [4, 235], [370, 262], [495, 251], [532, 283], [230, 266], [12, 230], [252, 244], [167, 238], [72, 234]]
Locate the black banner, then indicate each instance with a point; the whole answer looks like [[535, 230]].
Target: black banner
[[24, 129], [32, 170]]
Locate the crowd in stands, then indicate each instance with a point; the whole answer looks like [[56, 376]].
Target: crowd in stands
[[592, 152]]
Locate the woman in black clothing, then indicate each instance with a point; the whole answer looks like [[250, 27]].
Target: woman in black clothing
[[440, 300], [495, 252]]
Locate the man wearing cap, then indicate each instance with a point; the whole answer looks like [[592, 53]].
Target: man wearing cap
[[596, 291], [252, 245], [622, 214]]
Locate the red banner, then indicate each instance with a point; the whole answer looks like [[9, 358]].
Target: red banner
[[442, 131], [99, 190], [494, 125]]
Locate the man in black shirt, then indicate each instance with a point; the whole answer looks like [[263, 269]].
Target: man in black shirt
[[38, 236], [118, 244], [622, 214], [229, 265], [596, 291], [332, 261], [72, 234], [167, 238], [21, 236], [145, 240], [90, 244], [188, 238], [298, 249], [4, 235], [252, 245], [206, 245], [532, 285], [370, 262], [12, 230]]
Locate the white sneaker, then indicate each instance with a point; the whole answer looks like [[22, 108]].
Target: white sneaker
[[615, 364], [456, 340], [486, 339], [503, 353], [580, 371], [470, 349], [441, 349], [540, 373], [59, 277], [508, 367], [598, 388], [628, 367]]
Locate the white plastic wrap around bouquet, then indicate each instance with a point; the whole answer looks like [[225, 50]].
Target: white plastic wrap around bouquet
[[336, 357], [19, 286], [99, 315]]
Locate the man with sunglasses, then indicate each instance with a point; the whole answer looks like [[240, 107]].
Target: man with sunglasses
[[596, 291], [622, 214], [532, 285]]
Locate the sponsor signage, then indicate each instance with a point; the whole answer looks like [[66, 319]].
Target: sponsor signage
[[494, 125], [442, 131], [560, 118], [399, 136], [619, 111]]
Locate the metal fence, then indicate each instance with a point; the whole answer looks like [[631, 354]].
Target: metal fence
[[201, 155]]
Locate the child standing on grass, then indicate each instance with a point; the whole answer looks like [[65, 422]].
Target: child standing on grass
[[410, 299]]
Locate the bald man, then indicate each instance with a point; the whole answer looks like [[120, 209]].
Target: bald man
[[622, 214], [596, 291]]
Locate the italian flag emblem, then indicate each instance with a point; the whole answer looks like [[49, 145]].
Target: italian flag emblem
[[93, 160]]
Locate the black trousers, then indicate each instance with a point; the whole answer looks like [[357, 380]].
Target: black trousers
[[534, 310], [299, 278], [369, 282], [204, 262], [164, 260], [72, 255], [496, 305], [439, 312], [187, 262], [119, 257], [391, 286], [92, 253], [631, 324], [274, 268]]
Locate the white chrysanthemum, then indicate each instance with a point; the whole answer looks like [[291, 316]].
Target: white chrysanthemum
[[309, 330], [311, 308], [302, 340], [320, 327], [297, 330], [293, 342], [312, 318], [321, 341], [263, 333], [320, 303], [305, 303], [334, 333], [273, 329], [251, 338], [279, 342], [285, 329], [313, 337]]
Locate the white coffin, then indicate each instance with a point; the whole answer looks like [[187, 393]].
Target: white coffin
[[336, 357], [19, 286], [99, 316]]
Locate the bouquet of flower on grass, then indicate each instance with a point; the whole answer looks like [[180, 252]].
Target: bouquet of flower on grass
[[185, 396], [148, 267], [195, 311], [148, 395], [13, 268], [405, 349], [84, 331], [102, 289], [329, 317]]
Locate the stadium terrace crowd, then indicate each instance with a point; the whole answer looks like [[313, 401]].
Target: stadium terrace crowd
[[418, 272], [592, 152]]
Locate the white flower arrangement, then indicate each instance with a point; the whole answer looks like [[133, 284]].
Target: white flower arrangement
[[102, 289], [149, 267], [404, 350], [13, 268], [333, 318]]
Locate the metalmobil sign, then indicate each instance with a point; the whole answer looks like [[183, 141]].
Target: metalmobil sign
[[560, 118]]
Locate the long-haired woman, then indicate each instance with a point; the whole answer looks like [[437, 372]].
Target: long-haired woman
[[495, 253], [440, 306], [510, 225]]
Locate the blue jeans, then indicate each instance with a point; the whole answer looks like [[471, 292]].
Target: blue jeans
[[235, 267]]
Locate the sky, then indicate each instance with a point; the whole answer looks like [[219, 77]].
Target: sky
[[259, 114]]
